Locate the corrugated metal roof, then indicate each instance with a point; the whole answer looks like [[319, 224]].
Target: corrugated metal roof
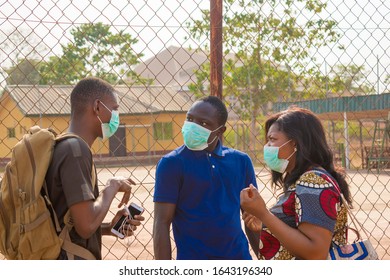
[[357, 107], [55, 100], [46, 100], [152, 98]]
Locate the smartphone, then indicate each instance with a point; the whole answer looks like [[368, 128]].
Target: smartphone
[[132, 210]]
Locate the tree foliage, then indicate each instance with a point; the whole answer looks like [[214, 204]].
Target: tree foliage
[[18, 44], [272, 42], [93, 51], [350, 80], [20, 52], [24, 73]]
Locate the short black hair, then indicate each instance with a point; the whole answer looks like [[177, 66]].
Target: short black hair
[[86, 91], [218, 104]]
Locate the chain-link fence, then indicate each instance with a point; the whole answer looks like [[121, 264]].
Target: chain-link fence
[[329, 56]]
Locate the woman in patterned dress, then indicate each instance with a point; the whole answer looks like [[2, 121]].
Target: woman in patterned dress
[[308, 215]]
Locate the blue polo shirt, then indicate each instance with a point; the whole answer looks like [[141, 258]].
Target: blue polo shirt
[[205, 186]]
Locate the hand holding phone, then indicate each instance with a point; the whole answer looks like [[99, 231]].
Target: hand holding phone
[[119, 228]]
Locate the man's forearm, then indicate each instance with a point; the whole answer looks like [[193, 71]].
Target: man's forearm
[[162, 245], [254, 240]]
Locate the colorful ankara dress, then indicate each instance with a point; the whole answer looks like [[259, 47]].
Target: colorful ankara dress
[[313, 199]]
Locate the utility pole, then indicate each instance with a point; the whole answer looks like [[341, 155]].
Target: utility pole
[[216, 48]]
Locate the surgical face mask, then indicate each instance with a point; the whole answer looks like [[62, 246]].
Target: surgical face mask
[[109, 129], [195, 136], [273, 161]]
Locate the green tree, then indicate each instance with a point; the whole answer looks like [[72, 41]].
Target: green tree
[[18, 44], [20, 51], [24, 73], [387, 82], [350, 80], [272, 42], [93, 51]]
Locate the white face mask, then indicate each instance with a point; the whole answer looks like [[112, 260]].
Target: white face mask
[[109, 129], [196, 136], [273, 161]]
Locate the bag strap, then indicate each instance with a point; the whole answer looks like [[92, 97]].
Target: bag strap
[[354, 220], [50, 205], [66, 135], [71, 248], [67, 218]]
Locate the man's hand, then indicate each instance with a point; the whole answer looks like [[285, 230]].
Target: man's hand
[[252, 223], [121, 184], [252, 202], [130, 225]]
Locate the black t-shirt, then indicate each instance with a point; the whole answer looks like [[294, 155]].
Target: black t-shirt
[[69, 181]]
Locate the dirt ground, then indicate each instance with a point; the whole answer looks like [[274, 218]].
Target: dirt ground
[[370, 190]]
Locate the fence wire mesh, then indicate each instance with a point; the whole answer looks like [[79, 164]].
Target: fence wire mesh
[[330, 56]]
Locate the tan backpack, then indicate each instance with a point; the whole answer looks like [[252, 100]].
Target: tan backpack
[[29, 228]]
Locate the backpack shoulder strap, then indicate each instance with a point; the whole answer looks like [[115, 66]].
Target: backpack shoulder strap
[[71, 248], [50, 205], [67, 135]]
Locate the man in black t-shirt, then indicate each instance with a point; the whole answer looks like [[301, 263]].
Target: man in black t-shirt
[[94, 113]]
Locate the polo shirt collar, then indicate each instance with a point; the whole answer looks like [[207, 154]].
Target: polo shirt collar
[[217, 151]]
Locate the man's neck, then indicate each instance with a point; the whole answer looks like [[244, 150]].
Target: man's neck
[[82, 131]]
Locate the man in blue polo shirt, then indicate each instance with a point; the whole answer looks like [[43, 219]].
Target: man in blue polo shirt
[[198, 188]]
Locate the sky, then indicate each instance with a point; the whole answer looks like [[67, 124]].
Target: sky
[[159, 24], [156, 23]]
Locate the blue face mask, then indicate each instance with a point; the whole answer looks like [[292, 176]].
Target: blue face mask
[[109, 129], [273, 161], [196, 136]]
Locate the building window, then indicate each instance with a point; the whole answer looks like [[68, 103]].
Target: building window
[[11, 132], [162, 131]]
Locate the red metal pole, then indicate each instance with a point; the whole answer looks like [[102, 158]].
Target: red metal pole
[[216, 48]]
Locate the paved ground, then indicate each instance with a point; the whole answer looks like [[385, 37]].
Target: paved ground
[[371, 193]]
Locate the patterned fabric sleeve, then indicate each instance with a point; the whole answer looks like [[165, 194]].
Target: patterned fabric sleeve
[[317, 200], [313, 199]]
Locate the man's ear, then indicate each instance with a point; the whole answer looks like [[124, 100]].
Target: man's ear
[[96, 107], [223, 129]]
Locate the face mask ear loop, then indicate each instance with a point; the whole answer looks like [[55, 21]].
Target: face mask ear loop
[[295, 150], [213, 140], [286, 143], [215, 135], [105, 106], [99, 119]]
